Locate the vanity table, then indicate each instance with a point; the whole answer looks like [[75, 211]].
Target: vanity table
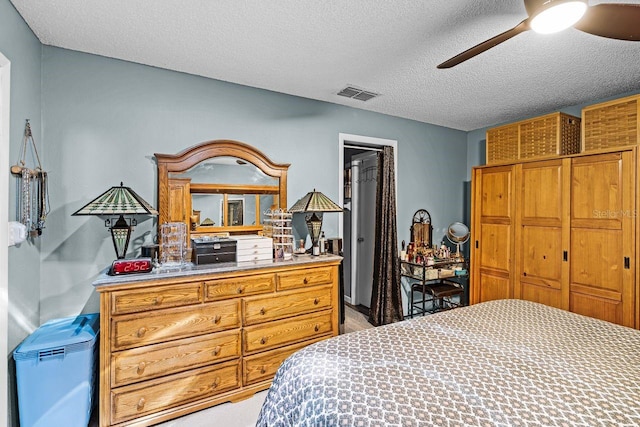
[[436, 284], [179, 341]]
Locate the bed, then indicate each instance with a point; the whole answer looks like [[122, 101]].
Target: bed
[[499, 363]]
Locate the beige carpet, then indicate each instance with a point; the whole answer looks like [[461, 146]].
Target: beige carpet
[[355, 320]]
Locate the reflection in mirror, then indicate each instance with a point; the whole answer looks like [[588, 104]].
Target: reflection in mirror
[[209, 209], [206, 207], [267, 202], [226, 170], [235, 212]]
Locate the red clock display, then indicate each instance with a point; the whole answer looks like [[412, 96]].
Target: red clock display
[[130, 266]]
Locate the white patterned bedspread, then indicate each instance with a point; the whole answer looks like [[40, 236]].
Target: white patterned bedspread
[[499, 363]]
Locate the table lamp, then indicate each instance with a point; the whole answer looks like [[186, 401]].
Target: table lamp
[[314, 202], [118, 201]]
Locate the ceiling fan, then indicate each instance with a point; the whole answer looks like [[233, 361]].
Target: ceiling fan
[[612, 20]]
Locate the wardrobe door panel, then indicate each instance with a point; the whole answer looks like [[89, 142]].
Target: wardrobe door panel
[[542, 254], [543, 294], [496, 240], [493, 287], [542, 234], [492, 234], [542, 192], [603, 236], [496, 192], [595, 258]]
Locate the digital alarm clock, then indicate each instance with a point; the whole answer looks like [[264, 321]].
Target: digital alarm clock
[[130, 266]]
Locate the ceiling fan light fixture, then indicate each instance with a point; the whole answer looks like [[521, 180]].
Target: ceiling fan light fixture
[[556, 16]]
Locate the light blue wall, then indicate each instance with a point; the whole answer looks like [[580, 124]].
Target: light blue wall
[[21, 47], [104, 119]]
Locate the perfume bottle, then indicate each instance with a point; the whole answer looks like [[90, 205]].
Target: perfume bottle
[[323, 244]]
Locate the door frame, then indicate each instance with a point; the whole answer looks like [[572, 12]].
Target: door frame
[[5, 99], [364, 142]]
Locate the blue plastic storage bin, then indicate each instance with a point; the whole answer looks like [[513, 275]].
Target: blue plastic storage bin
[[56, 372]]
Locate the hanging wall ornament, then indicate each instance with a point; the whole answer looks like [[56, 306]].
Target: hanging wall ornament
[[32, 194]]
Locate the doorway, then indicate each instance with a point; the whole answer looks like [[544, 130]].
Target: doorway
[[357, 194], [360, 224]]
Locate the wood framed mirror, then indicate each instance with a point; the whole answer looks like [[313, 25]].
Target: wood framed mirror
[[219, 187]]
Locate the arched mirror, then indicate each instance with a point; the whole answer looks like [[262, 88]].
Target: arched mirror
[[421, 229], [219, 186]]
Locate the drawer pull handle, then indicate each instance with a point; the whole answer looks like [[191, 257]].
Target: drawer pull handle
[[263, 340], [157, 300], [141, 403], [141, 332], [216, 351], [262, 370], [216, 383], [217, 319], [317, 328], [141, 367], [239, 290], [263, 311], [305, 281], [316, 301]]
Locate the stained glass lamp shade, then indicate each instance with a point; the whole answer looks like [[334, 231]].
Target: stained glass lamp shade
[[316, 203], [119, 201]]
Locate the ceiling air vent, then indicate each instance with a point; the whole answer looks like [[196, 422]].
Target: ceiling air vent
[[355, 93]]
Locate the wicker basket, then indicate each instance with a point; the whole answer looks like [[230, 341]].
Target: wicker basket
[[502, 144], [611, 124], [552, 135]]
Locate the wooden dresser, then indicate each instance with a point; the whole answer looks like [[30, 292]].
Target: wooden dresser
[[175, 343]]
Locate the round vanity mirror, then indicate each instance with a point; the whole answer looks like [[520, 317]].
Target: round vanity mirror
[[458, 233]]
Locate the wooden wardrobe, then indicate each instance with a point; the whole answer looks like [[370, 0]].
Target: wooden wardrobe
[[561, 232]]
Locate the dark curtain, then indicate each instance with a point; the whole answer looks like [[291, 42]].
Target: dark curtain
[[386, 296]]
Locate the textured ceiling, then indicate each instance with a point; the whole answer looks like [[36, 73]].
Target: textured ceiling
[[313, 48]]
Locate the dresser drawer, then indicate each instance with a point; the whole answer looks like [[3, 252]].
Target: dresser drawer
[[133, 301], [238, 286], [255, 255], [164, 325], [145, 398], [286, 331], [201, 259], [263, 309], [263, 366], [144, 363], [304, 278], [245, 243]]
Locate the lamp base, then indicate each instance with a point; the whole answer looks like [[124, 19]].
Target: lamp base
[[120, 234]]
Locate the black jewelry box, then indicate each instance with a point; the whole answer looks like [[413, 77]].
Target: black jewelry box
[[209, 250]]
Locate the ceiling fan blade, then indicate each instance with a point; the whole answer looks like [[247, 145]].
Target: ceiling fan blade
[[612, 20], [486, 45]]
